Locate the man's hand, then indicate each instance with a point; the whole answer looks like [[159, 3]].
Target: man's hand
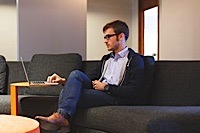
[[56, 79], [97, 85]]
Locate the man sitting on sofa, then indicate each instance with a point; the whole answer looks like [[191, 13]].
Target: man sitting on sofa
[[116, 82]]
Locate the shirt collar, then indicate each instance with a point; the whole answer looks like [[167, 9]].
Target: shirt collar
[[120, 54]]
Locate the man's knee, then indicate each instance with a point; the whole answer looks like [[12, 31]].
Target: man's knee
[[79, 75], [75, 73]]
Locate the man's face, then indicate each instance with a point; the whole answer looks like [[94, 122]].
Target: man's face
[[111, 39]]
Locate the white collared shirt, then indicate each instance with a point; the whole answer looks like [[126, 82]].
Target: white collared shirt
[[116, 66]]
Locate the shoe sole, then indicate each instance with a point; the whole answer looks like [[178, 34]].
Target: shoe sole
[[48, 126], [63, 130]]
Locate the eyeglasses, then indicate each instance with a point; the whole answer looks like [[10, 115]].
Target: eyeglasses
[[108, 36]]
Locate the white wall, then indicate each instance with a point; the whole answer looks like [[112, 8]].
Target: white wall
[[179, 27], [8, 28], [179, 30], [52, 27], [101, 12]]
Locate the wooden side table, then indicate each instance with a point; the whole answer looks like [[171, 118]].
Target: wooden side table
[[14, 94], [18, 124]]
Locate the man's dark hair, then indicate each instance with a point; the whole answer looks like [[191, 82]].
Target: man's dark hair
[[119, 27]]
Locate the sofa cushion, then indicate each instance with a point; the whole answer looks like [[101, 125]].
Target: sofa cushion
[[40, 105], [149, 65], [3, 75], [139, 119], [16, 74], [5, 104], [176, 83], [43, 65]]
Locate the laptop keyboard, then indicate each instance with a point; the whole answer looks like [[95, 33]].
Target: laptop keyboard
[[37, 82]]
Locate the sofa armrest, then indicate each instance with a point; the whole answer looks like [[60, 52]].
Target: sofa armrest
[[3, 75]]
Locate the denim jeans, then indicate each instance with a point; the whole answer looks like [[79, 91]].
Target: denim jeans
[[78, 92]]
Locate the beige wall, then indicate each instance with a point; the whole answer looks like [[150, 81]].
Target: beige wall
[[52, 27], [57, 29], [99, 12], [179, 30], [8, 28]]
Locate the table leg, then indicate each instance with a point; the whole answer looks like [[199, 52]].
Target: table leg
[[14, 99]]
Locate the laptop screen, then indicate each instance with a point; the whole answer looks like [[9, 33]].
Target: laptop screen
[[24, 69]]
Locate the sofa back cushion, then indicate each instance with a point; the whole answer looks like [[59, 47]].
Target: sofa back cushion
[[176, 83], [143, 96], [43, 65], [3, 75], [16, 74]]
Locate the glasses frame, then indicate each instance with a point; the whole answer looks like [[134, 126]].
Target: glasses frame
[[108, 36]]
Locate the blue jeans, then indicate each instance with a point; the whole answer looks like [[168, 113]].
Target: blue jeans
[[78, 92]]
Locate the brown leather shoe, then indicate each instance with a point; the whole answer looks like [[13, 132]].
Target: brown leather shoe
[[53, 122]]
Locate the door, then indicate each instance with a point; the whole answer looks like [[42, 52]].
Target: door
[[149, 28]]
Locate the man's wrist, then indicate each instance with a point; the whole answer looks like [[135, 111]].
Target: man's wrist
[[106, 88]]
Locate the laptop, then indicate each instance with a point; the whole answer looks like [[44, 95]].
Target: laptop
[[35, 83]]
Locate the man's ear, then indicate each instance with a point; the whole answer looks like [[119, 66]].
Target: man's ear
[[121, 36]]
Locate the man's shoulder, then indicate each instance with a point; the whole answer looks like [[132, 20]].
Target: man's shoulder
[[133, 54], [106, 57]]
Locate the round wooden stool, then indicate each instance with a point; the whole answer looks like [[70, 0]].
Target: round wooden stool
[[18, 124]]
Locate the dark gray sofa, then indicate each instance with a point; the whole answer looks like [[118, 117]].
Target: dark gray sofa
[[168, 103]]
